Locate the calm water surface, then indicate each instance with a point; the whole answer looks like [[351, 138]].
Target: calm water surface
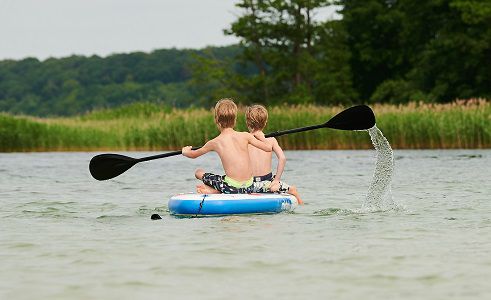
[[65, 235]]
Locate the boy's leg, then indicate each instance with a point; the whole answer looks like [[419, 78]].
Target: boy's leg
[[203, 188], [293, 191], [213, 184], [199, 174]]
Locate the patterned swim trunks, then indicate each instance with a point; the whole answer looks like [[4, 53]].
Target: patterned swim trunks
[[262, 184], [226, 185]]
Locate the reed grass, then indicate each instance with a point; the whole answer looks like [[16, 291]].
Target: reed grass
[[462, 124]]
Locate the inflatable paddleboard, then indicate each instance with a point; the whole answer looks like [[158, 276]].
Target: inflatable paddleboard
[[230, 204]]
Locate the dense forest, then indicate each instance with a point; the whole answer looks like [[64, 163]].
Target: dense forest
[[387, 51], [76, 84]]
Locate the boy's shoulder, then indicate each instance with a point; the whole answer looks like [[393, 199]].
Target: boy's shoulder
[[244, 135], [272, 140], [240, 134]]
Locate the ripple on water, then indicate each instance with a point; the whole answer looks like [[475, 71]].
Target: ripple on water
[[137, 283], [22, 245], [53, 209], [113, 217], [145, 210], [332, 211]]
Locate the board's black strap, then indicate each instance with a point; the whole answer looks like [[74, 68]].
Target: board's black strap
[[201, 205]]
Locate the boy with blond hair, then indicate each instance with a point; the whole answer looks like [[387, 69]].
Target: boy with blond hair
[[261, 161], [232, 148]]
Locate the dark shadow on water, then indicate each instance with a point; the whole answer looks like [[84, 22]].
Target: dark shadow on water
[[469, 156]]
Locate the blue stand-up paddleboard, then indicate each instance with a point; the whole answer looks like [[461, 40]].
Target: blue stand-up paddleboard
[[230, 204]]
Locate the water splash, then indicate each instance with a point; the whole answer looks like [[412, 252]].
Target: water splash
[[379, 195]]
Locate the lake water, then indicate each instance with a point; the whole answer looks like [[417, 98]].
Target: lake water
[[65, 235]]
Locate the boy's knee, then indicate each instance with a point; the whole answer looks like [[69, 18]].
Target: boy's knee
[[199, 173], [293, 189]]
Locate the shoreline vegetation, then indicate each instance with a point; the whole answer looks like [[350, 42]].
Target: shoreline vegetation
[[145, 126]]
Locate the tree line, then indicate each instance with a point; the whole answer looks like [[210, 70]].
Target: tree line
[[388, 51], [76, 84]]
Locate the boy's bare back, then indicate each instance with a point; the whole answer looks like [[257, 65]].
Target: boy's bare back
[[262, 162], [232, 148]]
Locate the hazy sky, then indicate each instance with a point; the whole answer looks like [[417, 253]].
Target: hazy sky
[[45, 28]]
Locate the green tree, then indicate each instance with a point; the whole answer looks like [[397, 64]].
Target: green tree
[[456, 61], [279, 37], [433, 50], [217, 74], [374, 28], [332, 76]]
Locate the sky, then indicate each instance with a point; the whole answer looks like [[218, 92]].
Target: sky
[[58, 28]]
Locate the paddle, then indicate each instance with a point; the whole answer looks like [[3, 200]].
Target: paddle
[[107, 166], [358, 117]]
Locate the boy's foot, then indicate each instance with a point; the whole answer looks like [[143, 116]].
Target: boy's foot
[[199, 189], [204, 189]]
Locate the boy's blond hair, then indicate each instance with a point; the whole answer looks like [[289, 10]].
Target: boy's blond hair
[[225, 113], [256, 117]]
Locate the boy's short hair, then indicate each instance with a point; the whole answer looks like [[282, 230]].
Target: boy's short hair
[[256, 117], [225, 113]]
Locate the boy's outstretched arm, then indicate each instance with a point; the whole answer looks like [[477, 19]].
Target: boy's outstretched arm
[[275, 185], [188, 152], [259, 142]]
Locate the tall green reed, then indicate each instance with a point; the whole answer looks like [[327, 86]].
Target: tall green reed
[[463, 124]]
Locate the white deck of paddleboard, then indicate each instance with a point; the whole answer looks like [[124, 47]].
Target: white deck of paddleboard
[[231, 197]]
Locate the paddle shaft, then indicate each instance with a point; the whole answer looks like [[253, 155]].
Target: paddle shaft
[[301, 129], [173, 153]]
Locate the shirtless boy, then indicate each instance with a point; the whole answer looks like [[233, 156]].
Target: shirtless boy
[[232, 148], [261, 161]]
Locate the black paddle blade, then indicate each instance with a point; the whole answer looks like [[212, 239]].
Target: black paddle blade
[[107, 166], [359, 117]]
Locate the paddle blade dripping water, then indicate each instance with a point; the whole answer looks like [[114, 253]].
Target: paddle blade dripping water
[[379, 196]]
